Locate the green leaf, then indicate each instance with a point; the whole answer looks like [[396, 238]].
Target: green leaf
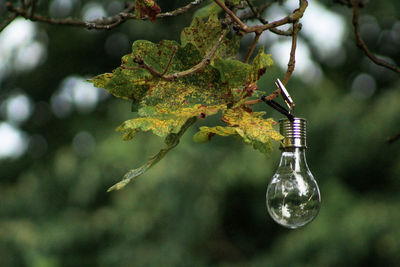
[[203, 87], [260, 62], [204, 35], [208, 10], [163, 121], [238, 74], [205, 133], [127, 84], [157, 55], [253, 128], [233, 72], [171, 140]]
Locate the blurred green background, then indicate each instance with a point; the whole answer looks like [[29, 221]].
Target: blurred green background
[[204, 204]]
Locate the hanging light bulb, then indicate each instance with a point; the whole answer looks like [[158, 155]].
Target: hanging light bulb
[[293, 197]]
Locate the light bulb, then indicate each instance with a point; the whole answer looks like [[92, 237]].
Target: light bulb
[[293, 197]]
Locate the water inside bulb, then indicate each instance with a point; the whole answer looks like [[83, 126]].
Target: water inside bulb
[[293, 197]]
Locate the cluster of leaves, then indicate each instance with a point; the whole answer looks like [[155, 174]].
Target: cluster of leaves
[[167, 104]]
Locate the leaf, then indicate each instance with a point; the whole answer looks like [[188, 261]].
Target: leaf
[[253, 128], [172, 140], [203, 36], [203, 87], [130, 81], [260, 62], [157, 56], [168, 106], [205, 133], [207, 11], [238, 74], [233, 72], [127, 84], [148, 8], [163, 121]]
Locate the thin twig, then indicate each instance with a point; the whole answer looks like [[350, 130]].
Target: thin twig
[[7, 21], [100, 24], [291, 63], [253, 46], [290, 68], [139, 60], [349, 3], [253, 101], [288, 32], [243, 26], [393, 138], [249, 14], [256, 13], [295, 16], [32, 8], [292, 59], [363, 46]]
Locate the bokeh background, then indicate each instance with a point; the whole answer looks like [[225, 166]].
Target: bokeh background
[[204, 204]]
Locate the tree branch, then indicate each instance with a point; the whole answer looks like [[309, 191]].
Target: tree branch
[[360, 43], [290, 68], [7, 21], [393, 138], [292, 59], [100, 24], [349, 3], [243, 26], [257, 15], [253, 46], [295, 16]]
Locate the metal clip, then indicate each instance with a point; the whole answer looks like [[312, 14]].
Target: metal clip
[[285, 94]]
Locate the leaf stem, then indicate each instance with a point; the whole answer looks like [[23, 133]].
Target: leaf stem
[[172, 141]]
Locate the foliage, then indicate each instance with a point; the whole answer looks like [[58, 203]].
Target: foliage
[[169, 89]]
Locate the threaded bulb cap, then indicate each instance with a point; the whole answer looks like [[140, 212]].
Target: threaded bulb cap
[[294, 133]]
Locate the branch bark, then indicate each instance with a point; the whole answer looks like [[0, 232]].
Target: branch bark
[[295, 16], [253, 46], [393, 139], [100, 24]]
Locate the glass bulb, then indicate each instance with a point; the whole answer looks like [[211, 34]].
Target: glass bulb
[[293, 197]]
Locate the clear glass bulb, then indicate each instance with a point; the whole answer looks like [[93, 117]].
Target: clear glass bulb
[[293, 197]]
